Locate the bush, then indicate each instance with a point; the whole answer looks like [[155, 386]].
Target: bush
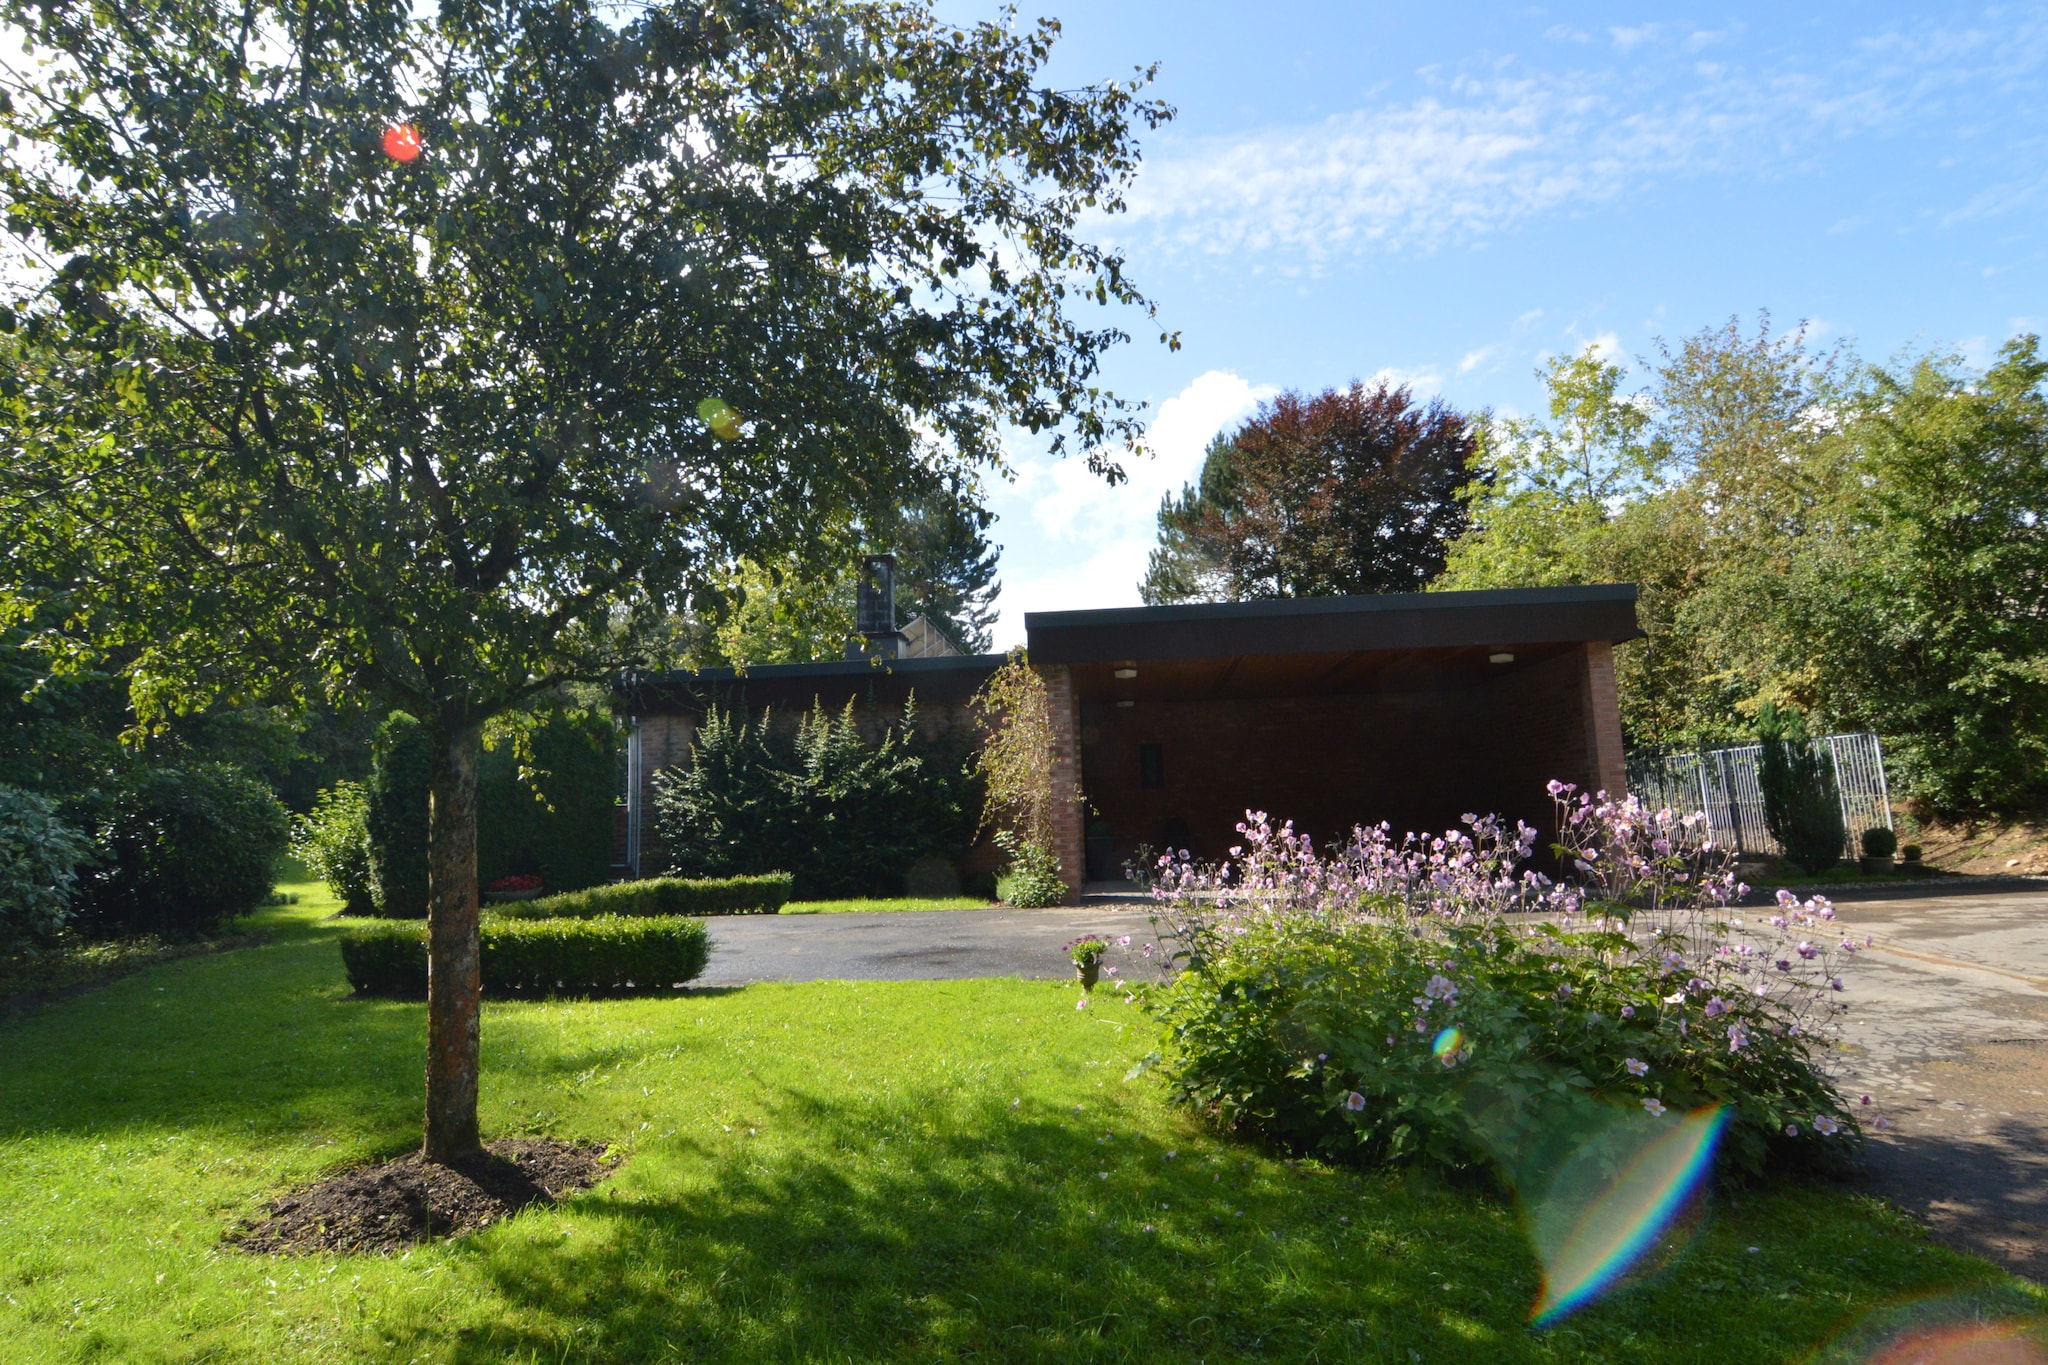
[[1911, 853], [401, 764], [553, 821], [1879, 842], [182, 849], [1033, 880], [844, 816], [1802, 804], [39, 858], [660, 896], [334, 843], [1382, 1006], [607, 955]]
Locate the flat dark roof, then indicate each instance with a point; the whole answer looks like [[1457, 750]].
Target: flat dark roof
[[1320, 625]]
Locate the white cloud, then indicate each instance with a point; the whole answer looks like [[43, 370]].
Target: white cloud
[[1472, 360], [1492, 147], [1091, 540]]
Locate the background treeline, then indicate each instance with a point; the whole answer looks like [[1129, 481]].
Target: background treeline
[[1862, 545]]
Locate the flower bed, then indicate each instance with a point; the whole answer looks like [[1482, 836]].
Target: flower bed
[[1436, 1001], [607, 955]]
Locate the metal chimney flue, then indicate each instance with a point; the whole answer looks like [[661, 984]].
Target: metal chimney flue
[[875, 611]]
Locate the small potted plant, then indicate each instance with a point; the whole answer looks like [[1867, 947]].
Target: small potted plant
[[1086, 955], [1879, 844], [522, 887], [1909, 859]]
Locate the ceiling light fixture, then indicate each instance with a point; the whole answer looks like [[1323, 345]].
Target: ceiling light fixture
[[1127, 673], [1126, 704], [1501, 656]]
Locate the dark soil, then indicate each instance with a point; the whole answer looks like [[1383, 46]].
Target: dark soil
[[406, 1201]]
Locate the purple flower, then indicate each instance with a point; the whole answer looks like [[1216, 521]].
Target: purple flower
[[1637, 1066], [1808, 951], [1716, 1007], [1628, 1011], [1825, 1126], [1653, 1104], [1355, 1102], [1791, 1130]]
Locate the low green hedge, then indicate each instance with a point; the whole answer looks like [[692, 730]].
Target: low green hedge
[[603, 955], [660, 896]]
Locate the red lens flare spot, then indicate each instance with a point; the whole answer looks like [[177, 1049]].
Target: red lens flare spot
[[402, 142]]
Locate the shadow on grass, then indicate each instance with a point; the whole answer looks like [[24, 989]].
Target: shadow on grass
[[928, 1228]]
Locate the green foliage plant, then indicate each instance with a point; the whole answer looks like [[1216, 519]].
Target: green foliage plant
[[1802, 803], [39, 858], [599, 955], [1032, 881], [1022, 795], [843, 813], [291, 414], [333, 841], [762, 895], [1423, 1002], [396, 816], [180, 851], [546, 792], [1879, 842]]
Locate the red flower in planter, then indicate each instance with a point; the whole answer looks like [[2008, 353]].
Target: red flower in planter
[[525, 881]]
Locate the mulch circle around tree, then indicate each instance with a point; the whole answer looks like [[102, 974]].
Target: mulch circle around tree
[[403, 1202]]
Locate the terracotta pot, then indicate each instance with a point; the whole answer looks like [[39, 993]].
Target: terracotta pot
[[1089, 974]]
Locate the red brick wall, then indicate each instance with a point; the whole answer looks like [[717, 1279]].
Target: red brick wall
[[1067, 777]]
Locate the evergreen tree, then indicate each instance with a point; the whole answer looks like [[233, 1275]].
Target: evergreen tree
[[946, 568]]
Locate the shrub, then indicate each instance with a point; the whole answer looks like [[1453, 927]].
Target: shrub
[[545, 805], [1381, 1005], [334, 843], [660, 896], [1033, 880], [606, 955], [1911, 853], [1802, 804], [182, 849], [400, 773], [1879, 842], [39, 858], [843, 815]]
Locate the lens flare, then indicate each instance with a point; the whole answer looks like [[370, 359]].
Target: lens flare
[[1985, 1326], [1448, 1045], [402, 142], [1612, 1198], [720, 417]]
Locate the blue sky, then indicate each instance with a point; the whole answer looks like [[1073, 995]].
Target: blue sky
[[1450, 193]]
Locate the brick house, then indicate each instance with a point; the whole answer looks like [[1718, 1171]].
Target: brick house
[[1411, 708]]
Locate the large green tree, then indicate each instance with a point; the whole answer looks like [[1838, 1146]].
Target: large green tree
[[427, 353], [1348, 491]]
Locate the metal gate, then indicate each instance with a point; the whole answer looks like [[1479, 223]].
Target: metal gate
[[1724, 783]]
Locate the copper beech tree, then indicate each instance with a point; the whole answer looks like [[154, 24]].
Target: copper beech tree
[[427, 352]]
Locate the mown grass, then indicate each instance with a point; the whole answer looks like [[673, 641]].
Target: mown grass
[[871, 1171], [866, 904]]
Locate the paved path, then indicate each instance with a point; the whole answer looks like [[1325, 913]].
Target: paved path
[[1948, 1032], [1947, 1029], [919, 945]]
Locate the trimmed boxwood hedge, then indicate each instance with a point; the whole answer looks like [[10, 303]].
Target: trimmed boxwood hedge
[[660, 896], [605, 955]]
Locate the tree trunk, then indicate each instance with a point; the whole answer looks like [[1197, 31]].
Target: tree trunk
[[454, 978]]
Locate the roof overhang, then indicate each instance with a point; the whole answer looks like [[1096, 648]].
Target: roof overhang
[[1323, 625]]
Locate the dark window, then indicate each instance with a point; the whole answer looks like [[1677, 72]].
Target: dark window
[[1151, 766]]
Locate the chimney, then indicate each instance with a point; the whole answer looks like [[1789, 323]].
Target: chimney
[[875, 611]]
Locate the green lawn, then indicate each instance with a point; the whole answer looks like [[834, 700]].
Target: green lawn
[[837, 1171], [850, 907]]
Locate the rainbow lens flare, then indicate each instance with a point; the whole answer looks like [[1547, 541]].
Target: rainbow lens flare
[[720, 417], [1983, 1326], [1612, 1198], [1448, 1044], [1975, 1344]]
